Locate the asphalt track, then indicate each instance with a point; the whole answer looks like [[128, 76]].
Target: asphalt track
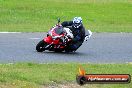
[[101, 48]]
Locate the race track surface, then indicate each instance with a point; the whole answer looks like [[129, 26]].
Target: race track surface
[[101, 48]]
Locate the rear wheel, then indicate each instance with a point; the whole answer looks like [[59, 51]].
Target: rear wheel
[[40, 47]]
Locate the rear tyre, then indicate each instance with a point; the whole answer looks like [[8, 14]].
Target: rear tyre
[[40, 47]]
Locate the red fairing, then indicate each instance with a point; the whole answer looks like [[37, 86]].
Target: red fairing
[[56, 41], [48, 39]]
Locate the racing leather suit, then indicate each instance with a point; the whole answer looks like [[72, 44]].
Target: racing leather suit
[[78, 33]]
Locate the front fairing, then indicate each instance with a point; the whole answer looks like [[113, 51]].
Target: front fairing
[[56, 31], [48, 39]]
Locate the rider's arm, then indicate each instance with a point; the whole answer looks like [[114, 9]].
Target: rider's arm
[[67, 23]]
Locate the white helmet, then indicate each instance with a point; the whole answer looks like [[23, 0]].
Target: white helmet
[[77, 22]]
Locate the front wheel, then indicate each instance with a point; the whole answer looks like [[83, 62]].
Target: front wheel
[[40, 47]]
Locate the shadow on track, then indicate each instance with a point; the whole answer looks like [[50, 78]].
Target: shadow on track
[[65, 53]]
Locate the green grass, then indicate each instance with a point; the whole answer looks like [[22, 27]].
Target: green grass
[[40, 15], [33, 75]]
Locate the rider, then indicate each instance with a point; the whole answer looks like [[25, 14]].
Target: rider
[[78, 31]]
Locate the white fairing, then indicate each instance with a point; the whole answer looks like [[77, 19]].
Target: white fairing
[[69, 32]]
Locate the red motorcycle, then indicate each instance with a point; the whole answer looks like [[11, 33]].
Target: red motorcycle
[[56, 40]]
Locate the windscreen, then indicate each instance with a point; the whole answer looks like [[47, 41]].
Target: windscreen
[[59, 30]]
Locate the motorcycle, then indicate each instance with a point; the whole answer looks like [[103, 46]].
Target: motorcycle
[[56, 40]]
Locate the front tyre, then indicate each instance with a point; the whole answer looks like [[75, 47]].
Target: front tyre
[[40, 47]]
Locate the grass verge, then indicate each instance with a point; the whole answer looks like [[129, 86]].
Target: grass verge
[[40, 15], [33, 75]]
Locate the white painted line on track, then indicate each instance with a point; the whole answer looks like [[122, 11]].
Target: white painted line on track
[[8, 32], [34, 38]]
